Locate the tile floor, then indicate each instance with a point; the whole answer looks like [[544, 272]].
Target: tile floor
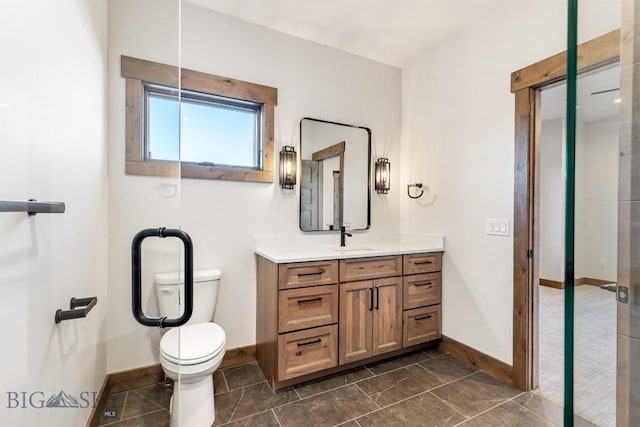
[[429, 388]]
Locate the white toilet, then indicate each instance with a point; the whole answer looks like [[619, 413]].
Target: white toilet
[[191, 353]]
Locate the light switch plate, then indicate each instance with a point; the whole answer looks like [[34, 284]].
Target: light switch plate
[[498, 227]]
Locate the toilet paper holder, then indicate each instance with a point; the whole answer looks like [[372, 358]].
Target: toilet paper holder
[[76, 313]]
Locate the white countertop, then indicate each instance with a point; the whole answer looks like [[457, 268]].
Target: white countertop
[[281, 249]]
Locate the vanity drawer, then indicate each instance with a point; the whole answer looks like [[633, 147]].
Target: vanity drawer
[[307, 307], [422, 289], [370, 268], [421, 325], [308, 351], [422, 263], [300, 274]]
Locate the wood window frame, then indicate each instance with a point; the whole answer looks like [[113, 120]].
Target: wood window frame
[[527, 84], [137, 72]]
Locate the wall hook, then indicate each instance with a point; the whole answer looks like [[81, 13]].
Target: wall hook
[[416, 185]]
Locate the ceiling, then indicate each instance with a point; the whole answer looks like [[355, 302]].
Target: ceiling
[[591, 108], [395, 32], [389, 31]]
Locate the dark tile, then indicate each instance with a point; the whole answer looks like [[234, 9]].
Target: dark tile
[[113, 405], [400, 384], [475, 393], [160, 394], [397, 362], [219, 384], [326, 409], [136, 405], [449, 368], [422, 410], [151, 377], [541, 406], [506, 415], [250, 400], [242, 375], [334, 381], [263, 419], [549, 410], [118, 387], [436, 352], [154, 419]]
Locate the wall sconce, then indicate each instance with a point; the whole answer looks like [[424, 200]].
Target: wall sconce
[[382, 175], [288, 163]]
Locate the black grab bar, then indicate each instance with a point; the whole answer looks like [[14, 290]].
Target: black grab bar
[[136, 278], [76, 313]]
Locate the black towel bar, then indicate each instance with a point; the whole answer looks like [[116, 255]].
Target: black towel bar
[[32, 206]]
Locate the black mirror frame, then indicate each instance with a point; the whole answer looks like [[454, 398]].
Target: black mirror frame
[[368, 130]]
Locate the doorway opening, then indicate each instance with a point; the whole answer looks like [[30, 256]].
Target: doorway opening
[[527, 85], [595, 247]]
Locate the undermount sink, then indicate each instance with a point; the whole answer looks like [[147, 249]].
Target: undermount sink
[[354, 249]]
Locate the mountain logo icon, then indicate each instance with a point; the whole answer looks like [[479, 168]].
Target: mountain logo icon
[[62, 400]]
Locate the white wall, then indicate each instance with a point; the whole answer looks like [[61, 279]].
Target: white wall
[[596, 195], [600, 200], [552, 199], [581, 227], [223, 217], [52, 147], [458, 138]]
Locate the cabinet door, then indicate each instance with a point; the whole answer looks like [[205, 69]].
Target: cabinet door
[[356, 306], [387, 315]]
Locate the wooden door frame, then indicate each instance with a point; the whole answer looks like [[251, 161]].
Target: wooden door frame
[[526, 84]]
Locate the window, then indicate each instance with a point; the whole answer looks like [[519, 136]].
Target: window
[[226, 128]]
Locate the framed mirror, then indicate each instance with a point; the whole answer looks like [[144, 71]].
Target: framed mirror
[[334, 176]]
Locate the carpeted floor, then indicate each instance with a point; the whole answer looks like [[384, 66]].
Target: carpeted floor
[[595, 351]]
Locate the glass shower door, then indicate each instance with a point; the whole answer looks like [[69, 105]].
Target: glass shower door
[[145, 192], [593, 157], [65, 136]]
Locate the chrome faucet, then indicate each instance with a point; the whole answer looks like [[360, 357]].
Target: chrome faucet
[[343, 235]]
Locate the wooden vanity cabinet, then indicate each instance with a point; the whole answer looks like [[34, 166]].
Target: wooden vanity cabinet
[[422, 315], [370, 318], [296, 318], [316, 318]]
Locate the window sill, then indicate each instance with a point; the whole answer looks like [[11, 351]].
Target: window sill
[[191, 170]]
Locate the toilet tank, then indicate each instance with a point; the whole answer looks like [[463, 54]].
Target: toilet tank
[[170, 291]]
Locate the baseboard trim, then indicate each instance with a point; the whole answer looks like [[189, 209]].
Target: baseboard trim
[[578, 282], [593, 282], [153, 374], [552, 284], [94, 416], [490, 365], [238, 356]]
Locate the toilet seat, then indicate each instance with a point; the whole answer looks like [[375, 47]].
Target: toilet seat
[[193, 344]]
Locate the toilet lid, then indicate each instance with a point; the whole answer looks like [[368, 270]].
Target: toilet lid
[[192, 344]]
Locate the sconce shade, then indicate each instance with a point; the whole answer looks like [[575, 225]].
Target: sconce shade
[[382, 176], [288, 163]]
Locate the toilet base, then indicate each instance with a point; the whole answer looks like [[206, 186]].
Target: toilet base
[[192, 403]]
